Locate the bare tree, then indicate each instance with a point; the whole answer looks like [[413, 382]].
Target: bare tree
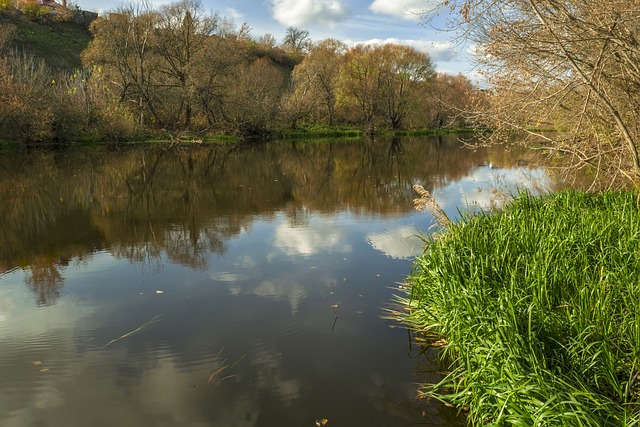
[[296, 40], [181, 37], [571, 66], [122, 44]]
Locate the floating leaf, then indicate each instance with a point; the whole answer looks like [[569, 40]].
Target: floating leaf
[[321, 422], [36, 363], [43, 370]]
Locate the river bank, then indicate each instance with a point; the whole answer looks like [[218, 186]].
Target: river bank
[[537, 311]]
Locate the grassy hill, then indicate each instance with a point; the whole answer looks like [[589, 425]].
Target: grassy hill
[[58, 43]]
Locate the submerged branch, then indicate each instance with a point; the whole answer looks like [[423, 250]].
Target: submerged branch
[[135, 331]]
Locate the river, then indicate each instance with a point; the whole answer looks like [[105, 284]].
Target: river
[[224, 285]]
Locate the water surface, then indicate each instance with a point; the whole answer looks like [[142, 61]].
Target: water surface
[[223, 286]]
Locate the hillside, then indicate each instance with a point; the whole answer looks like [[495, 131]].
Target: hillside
[[58, 43]]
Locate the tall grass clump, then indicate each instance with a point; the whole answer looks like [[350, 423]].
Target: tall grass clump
[[538, 307]]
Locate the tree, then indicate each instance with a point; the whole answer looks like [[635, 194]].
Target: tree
[[254, 98], [180, 39], [448, 99], [406, 73], [299, 101], [296, 40], [121, 46], [570, 65], [384, 82], [361, 83], [313, 84], [25, 109], [325, 61]]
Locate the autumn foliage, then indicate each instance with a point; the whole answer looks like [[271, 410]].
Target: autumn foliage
[[179, 69], [569, 66]]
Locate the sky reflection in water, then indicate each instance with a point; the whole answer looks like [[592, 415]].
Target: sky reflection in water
[[269, 310]]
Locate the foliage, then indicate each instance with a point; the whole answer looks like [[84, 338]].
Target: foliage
[[570, 66], [255, 97], [538, 311], [25, 113], [177, 69], [90, 109], [452, 96], [384, 83], [7, 5], [32, 8]]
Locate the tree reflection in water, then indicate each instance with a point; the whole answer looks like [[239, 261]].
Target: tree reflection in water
[[45, 280], [145, 203]]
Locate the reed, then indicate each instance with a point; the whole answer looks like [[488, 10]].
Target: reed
[[537, 311]]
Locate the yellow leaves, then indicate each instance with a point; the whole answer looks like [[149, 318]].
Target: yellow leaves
[[321, 422], [38, 363]]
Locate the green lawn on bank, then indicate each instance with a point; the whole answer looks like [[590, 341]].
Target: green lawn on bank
[[538, 307], [58, 43]]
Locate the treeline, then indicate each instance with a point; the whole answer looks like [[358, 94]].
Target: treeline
[[179, 69]]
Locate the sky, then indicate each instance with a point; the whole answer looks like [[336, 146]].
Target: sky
[[352, 21]]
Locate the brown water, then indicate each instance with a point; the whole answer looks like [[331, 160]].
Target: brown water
[[222, 286]]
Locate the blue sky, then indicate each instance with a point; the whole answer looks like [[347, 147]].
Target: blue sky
[[352, 21]]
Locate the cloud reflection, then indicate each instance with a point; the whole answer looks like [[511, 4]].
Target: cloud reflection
[[489, 187], [307, 241], [397, 243]]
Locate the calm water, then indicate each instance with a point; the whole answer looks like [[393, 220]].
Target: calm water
[[222, 286]]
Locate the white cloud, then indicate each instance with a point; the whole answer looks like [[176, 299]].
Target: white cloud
[[438, 51], [300, 13], [398, 243], [410, 10], [234, 14]]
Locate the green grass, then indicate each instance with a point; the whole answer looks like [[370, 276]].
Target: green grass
[[320, 131], [323, 131], [5, 143], [539, 309], [58, 43], [429, 132]]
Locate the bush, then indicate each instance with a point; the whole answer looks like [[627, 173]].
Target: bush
[[7, 5], [33, 9], [25, 111]]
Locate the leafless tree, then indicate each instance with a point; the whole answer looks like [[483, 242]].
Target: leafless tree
[[571, 66]]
